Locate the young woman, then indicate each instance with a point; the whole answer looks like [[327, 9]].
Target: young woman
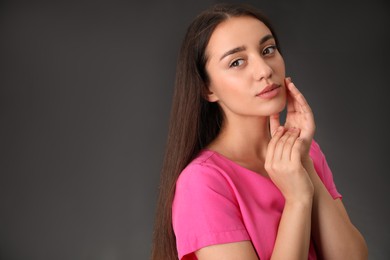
[[235, 183]]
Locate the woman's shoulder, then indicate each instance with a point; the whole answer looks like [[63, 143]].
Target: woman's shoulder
[[205, 166], [211, 170]]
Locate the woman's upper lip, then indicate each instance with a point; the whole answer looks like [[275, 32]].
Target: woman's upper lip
[[269, 88]]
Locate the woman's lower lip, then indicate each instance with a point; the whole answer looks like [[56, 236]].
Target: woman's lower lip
[[270, 94]]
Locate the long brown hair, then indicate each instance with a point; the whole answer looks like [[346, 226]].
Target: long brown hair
[[194, 122]]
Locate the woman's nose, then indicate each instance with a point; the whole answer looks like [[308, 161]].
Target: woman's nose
[[261, 70]]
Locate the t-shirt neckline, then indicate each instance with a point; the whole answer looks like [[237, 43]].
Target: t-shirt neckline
[[234, 163]]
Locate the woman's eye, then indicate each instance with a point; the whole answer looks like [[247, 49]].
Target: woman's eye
[[237, 63], [269, 50]]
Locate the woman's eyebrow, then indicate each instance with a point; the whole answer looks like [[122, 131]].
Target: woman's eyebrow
[[232, 51], [243, 48], [266, 38]]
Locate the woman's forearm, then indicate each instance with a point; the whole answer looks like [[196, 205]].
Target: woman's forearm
[[334, 234], [293, 237]]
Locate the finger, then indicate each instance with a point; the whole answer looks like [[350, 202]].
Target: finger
[[274, 140], [297, 96], [279, 147], [292, 104], [290, 99], [274, 123], [296, 150], [287, 149]]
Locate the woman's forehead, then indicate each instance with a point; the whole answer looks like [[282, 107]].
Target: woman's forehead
[[235, 32]]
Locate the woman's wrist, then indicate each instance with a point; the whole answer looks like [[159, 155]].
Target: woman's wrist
[[304, 201]]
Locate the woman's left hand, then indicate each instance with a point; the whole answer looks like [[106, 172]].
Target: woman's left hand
[[299, 115]]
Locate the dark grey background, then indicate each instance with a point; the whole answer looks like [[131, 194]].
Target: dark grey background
[[85, 92]]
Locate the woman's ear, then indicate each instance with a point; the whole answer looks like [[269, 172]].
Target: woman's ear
[[211, 96]]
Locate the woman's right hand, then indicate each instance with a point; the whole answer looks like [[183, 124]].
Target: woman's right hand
[[284, 167]]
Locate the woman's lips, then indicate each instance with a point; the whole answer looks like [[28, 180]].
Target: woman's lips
[[270, 91]]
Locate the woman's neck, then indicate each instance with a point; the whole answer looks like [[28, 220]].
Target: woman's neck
[[243, 139]]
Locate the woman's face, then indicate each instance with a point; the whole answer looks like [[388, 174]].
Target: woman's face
[[243, 62]]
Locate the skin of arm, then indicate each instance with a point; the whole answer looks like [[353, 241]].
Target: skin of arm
[[293, 237], [334, 234]]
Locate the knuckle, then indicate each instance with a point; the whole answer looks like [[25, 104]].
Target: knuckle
[[273, 167]]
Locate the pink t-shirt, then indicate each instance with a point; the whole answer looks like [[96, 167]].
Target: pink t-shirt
[[218, 201]]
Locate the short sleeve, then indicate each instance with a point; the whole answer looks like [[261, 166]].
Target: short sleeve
[[205, 211], [323, 170]]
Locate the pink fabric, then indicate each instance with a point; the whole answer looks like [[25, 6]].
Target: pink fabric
[[218, 201]]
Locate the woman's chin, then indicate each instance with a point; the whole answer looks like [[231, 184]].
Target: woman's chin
[[278, 107]]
